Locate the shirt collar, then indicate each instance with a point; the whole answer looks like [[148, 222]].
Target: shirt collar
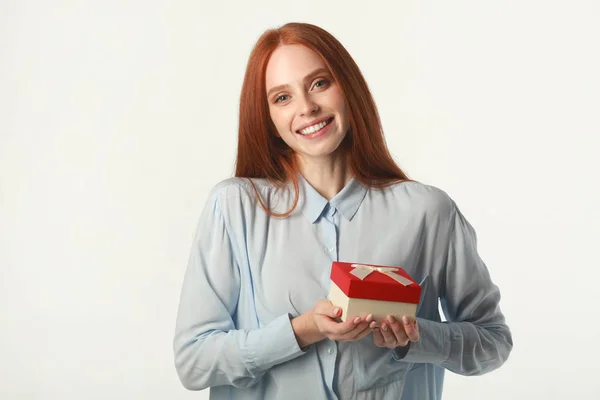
[[347, 201]]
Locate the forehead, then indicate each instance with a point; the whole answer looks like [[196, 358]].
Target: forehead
[[289, 64]]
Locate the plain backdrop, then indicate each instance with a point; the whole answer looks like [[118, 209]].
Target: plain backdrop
[[117, 117]]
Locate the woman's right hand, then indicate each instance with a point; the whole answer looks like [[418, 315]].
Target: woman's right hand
[[319, 323]]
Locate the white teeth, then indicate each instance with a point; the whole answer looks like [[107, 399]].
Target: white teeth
[[313, 128]]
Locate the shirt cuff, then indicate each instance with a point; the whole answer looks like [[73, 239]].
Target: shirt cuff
[[270, 345], [432, 347], [400, 352]]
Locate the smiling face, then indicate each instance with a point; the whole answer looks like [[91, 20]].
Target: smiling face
[[305, 103]]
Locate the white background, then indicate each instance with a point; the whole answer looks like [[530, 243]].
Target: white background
[[117, 117]]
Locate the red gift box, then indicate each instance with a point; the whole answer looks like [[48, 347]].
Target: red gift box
[[362, 289]]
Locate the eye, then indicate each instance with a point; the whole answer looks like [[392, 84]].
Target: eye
[[281, 98], [320, 83]]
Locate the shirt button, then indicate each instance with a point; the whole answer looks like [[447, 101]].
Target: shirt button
[[331, 249], [330, 351]]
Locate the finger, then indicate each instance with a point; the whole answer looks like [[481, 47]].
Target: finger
[[362, 334], [360, 326], [411, 328], [354, 333], [378, 338], [335, 330], [388, 335], [334, 312], [362, 330], [326, 307], [398, 330]]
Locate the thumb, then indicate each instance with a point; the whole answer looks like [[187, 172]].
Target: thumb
[[335, 311], [326, 307]]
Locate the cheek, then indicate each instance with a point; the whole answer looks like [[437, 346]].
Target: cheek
[[344, 112], [282, 121], [340, 103]]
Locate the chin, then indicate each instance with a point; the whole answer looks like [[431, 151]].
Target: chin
[[322, 151]]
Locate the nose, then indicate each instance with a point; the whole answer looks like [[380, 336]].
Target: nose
[[308, 106]]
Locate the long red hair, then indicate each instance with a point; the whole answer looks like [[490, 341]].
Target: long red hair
[[262, 154]]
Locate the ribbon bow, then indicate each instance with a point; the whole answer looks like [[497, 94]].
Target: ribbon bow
[[361, 271]]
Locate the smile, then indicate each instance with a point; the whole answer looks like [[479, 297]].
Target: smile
[[315, 128]]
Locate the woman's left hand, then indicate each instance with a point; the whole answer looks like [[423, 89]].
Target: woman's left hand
[[393, 333]]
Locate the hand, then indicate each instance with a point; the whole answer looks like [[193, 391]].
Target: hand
[[319, 323], [393, 333], [352, 329]]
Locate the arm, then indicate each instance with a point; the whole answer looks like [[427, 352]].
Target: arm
[[476, 339], [209, 349]]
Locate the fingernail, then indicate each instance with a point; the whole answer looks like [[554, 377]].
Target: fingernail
[[335, 311], [372, 325], [406, 320], [391, 319], [369, 318], [356, 320], [384, 327]]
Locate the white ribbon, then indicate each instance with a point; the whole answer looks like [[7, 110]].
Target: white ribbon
[[361, 271]]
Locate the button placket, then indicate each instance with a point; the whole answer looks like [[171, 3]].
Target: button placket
[[332, 236], [329, 231], [334, 218]]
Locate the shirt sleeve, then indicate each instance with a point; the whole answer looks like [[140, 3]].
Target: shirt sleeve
[[209, 349], [475, 339]]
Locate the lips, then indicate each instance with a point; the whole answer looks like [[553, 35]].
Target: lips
[[313, 123]]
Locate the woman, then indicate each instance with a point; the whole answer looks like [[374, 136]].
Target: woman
[[315, 183]]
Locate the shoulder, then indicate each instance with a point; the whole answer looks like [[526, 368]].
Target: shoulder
[[234, 188], [230, 187], [242, 192], [421, 196]]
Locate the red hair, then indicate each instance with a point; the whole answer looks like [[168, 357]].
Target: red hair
[[262, 154]]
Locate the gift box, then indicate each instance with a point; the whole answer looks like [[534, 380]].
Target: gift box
[[362, 289]]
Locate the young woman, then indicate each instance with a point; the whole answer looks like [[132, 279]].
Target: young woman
[[315, 183]]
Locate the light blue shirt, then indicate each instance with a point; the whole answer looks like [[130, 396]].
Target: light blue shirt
[[248, 274]]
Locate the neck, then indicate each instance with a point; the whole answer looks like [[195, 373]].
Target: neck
[[327, 175]]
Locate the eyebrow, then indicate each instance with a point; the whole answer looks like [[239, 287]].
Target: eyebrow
[[307, 77]]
